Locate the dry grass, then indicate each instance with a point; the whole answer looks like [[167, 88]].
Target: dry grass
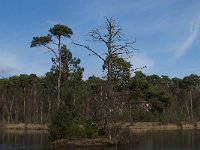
[[23, 126], [158, 126]]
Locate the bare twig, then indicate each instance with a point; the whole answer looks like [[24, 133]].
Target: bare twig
[[52, 50], [89, 49]]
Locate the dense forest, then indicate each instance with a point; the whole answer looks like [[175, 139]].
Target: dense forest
[[68, 103], [31, 99]]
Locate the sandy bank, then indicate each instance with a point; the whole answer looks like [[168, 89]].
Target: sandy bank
[[22, 126], [134, 126], [159, 126]]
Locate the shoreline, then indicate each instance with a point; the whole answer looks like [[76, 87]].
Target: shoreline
[[137, 127], [134, 126], [159, 126], [23, 126]]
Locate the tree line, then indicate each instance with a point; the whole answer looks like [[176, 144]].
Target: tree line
[[97, 106], [31, 99]]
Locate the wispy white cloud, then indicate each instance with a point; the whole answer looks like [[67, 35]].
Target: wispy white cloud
[[140, 60], [16, 58], [8, 64], [7, 70], [187, 44]]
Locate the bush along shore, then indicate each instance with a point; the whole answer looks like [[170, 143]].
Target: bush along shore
[[93, 142]]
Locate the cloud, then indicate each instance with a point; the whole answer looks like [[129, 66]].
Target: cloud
[[7, 70], [10, 60], [9, 64], [140, 60], [194, 31]]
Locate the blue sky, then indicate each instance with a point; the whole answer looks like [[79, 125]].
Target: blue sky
[[167, 33]]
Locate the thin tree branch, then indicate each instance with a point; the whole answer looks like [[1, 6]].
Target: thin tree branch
[[96, 36], [136, 69], [89, 49], [52, 50]]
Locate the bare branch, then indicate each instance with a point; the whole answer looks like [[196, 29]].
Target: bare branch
[[136, 69], [125, 49], [96, 35], [52, 50], [117, 33], [89, 49], [54, 42]]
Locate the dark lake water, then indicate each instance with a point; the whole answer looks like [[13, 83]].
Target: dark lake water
[[23, 140], [149, 140]]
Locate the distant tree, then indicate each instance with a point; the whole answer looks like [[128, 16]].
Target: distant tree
[[137, 86], [53, 42], [157, 93], [191, 83]]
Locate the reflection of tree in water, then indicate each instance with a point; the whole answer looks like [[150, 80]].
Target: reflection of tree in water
[[147, 140], [23, 139], [169, 140]]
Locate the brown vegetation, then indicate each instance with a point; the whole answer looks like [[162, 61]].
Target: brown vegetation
[[83, 142], [159, 126], [22, 126]]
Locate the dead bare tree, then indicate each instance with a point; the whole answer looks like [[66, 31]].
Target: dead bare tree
[[118, 49]]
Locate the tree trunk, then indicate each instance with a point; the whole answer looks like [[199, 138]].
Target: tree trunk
[[191, 105], [130, 112], [29, 116], [24, 110], [10, 109], [110, 84], [34, 101], [37, 114], [16, 115], [49, 107], [24, 100], [2, 107], [60, 73], [41, 113], [3, 116], [188, 113]]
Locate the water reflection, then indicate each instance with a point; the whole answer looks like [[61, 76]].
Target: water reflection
[[159, 140], [169, 140], [23, 139], [147, 140]]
